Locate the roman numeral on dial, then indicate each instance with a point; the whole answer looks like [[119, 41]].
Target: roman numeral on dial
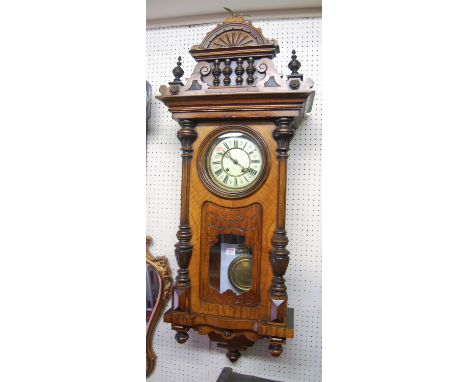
[[226, 145], [226, 179], [256, 161], [252, 172], [219, 171]]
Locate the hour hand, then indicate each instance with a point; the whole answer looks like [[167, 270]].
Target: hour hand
[[228, 155]]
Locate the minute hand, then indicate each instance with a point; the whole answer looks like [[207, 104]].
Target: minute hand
[[235, 161]]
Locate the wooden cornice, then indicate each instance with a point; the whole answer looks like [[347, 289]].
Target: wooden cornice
[[260, 105]]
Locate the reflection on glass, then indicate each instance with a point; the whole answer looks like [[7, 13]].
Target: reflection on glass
[[152, 291], [230, 266]]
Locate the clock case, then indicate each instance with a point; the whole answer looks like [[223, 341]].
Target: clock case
[[234, 87]]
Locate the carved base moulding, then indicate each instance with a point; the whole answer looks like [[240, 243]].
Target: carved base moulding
[[233, 334]]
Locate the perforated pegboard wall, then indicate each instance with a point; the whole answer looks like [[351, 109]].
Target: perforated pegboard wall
[[198, 359]]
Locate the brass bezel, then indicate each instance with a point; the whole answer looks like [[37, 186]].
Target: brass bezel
[[204, 172]]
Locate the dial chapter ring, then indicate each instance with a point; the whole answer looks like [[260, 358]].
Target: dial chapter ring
[[204, 155]]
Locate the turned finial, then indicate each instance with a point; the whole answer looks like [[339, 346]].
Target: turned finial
[[177, 72], [294, 66]]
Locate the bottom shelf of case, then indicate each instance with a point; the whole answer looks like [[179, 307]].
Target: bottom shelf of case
[[234, 334]]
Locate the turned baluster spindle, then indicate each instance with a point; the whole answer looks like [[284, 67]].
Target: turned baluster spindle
[[239, 71], [250, 71], [216, 73], [227, 71]]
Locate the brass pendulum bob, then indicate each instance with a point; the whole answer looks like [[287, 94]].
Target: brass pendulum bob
[[240, 269]]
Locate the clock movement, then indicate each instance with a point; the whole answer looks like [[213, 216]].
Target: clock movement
[[237, 116]]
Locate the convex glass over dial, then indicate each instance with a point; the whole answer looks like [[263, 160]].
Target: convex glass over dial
[[235, 161]]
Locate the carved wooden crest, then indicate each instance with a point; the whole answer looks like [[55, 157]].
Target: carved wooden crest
[[235, 59], [234, 31], [235, 37]]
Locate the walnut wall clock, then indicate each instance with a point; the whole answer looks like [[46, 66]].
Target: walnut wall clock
[[237, 116]]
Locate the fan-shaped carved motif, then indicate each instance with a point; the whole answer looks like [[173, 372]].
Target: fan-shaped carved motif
[[234, 34], [233, 38]]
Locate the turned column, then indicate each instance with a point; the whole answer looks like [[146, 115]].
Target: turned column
[[183, 248], [279, 255]]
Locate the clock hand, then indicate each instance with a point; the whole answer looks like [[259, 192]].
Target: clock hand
[[228, 155], [235, 161], [243, 168]]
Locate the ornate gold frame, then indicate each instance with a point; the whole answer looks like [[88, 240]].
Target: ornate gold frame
[[161, 265]]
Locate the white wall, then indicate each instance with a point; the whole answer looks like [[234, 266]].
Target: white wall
[[198, 359]]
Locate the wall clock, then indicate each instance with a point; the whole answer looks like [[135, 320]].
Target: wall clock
[[237, 116]]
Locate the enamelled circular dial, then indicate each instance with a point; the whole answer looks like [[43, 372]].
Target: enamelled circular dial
[[235, 161]]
